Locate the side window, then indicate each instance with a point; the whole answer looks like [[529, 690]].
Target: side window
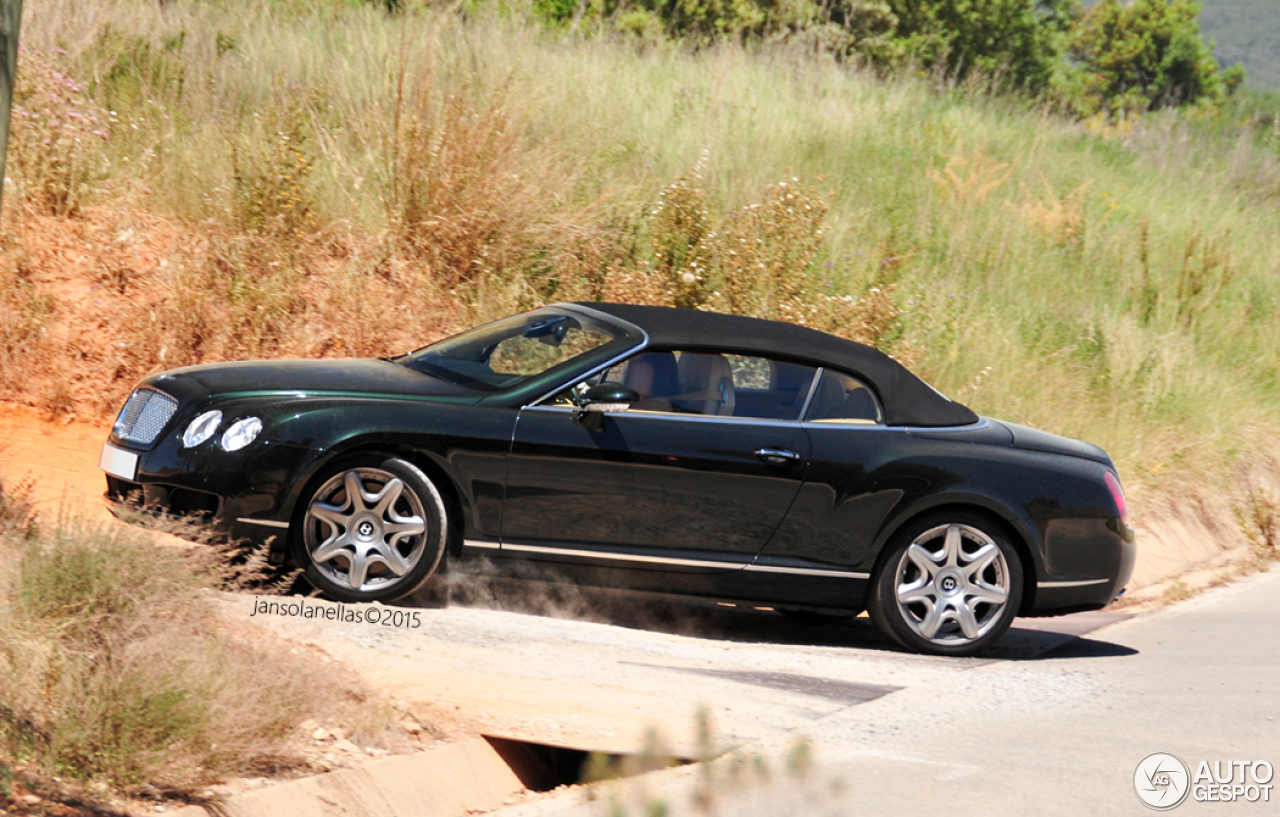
[[842, 398], [715, 384], [749, 372], [569, 397]]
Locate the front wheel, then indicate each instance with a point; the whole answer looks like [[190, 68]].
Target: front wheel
[[948, 585], [374, 530]]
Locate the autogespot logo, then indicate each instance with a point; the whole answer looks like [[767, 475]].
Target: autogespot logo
[[1162, 781]]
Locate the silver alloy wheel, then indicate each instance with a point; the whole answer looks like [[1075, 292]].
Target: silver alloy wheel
[[951, 584], [365, 529]]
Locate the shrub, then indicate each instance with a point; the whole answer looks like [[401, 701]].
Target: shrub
[[759, 261], [17, 510], [111, 670], [24, 314], [1145, 55]]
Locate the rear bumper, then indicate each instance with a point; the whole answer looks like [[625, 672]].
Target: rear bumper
[[1087, 563]]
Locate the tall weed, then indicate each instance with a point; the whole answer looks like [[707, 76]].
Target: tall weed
[[56, 153]]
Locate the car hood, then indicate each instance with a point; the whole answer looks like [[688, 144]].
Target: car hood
[[349, 376], [1030, 439]]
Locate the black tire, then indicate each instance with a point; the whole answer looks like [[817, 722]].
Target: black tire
[[398, 524], [935, 601]]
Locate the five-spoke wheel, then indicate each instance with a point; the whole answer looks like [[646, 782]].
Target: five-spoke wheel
[[373, 529], [947, 585]]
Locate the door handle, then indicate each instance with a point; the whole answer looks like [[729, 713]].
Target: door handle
[[778, 456]]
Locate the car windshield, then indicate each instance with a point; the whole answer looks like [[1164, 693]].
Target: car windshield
[[505, 353]]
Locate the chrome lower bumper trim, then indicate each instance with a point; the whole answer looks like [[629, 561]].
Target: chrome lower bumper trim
[[269, 523], [1085, 583], [808, 571]]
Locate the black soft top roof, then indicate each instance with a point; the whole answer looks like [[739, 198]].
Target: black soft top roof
[[907, 400]]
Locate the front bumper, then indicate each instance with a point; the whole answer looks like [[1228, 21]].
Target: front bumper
[[245, 495]]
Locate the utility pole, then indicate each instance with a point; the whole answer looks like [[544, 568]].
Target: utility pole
[[10, 22]]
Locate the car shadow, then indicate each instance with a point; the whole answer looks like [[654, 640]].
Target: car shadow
[[1027, 640]]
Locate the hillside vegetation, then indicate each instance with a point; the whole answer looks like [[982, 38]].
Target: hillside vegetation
[[194, 181]]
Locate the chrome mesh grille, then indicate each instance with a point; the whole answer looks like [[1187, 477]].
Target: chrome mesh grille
[[144, 416]]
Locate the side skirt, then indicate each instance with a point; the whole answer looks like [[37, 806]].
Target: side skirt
[[790, 585]]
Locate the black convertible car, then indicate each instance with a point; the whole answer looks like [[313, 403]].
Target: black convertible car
[[648, 448]]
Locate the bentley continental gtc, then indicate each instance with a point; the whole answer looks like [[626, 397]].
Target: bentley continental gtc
[[643, 448]]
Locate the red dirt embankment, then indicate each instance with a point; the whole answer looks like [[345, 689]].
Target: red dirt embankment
[[89, 305], [59, 456]]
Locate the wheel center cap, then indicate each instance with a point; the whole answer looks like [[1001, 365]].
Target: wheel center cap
[[366, 528], [949, 583]]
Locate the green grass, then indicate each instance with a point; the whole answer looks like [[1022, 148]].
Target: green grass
[[1112, 282]]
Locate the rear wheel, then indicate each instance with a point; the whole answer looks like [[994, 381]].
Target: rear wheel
[[947, 585], [374, 530]]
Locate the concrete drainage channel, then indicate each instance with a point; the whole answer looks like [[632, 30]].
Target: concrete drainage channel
[[449, 781]]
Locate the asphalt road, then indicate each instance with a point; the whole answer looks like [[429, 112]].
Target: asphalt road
[[1057, 731]]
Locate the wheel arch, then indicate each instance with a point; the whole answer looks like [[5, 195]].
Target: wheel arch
[[997, 518], [447, 486]]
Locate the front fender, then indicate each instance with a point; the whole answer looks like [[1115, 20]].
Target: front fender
[[465, 444]]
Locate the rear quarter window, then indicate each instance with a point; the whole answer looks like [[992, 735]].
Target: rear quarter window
[[843, 398]]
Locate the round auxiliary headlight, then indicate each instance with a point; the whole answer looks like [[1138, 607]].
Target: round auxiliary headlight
[[241, 433], [201, 428]]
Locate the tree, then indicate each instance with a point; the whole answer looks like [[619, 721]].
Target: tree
[[1148, 54], [1020, 41]]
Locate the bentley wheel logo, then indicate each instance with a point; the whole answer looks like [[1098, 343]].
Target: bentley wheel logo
[[365, 529], [1161, 781]]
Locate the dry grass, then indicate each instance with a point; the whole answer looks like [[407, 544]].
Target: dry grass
[[1177, 591], [57, 130], [18, 510], [724, 780], [112, 667], [1258, 509]]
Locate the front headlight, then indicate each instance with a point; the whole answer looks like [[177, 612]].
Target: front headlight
[[241, 433], [201, 428]]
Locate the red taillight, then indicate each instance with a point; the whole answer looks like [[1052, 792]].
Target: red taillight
[[1117, 493]]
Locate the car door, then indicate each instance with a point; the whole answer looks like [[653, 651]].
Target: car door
[[695, 476], [848, 492]]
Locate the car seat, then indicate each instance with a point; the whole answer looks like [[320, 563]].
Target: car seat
[[790, 382], [655, 377], [706, 384], [834, 402]]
